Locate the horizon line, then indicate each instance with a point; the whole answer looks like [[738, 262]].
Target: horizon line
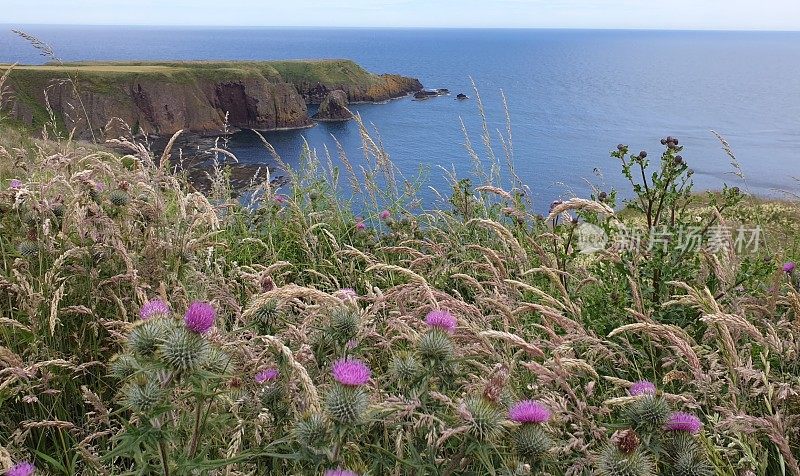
[[405, 27]]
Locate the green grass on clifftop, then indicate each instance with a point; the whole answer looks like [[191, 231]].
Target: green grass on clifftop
[[293, 71]]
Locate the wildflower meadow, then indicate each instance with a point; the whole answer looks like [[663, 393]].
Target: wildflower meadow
[[149, 328]]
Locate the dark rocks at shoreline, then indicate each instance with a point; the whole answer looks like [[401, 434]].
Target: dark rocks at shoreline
[[430, 93], [191, 155], [334, 108]]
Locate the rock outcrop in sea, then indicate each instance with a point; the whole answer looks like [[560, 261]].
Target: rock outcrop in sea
[[158, 99], [334, 108]]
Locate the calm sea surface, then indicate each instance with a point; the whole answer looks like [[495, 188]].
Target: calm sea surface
[[572, 95]]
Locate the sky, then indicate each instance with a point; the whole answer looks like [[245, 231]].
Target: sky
[[636, 14]]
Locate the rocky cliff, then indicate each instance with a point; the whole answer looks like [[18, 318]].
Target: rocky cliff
[[161, 98], [334, 108]]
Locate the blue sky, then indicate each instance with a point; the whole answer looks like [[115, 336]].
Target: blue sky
[[660, 14]]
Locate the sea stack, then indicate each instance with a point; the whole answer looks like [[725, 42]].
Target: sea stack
[[334, 108]]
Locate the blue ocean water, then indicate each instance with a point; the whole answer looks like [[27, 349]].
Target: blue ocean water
[[572, 94]]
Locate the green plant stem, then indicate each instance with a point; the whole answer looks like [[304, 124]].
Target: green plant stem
[[198, 414]]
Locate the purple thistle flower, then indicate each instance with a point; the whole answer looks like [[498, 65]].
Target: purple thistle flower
[[384, 215], [360, 226], [280, 199], [21, 469], [529, 411], [199, 317], [340, 472], [266, 375], [682, 421], [15, 184], [152, 308], [642, 387], [346, 294], [351, 372], [788, 267], [441, 319]]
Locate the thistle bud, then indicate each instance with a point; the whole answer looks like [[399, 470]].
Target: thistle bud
[[346, 404], [404, 368], [184, 350], [648, 413], [436, 345], [123, 366], [613, 462], [685, 456], [313, 431], [28, 249], [119, 198], [344, 323], [144, 398], [218, 361], [145, 338], [532, 442], [484, 418]]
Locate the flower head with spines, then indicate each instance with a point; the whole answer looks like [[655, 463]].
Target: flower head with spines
[[23, 468], [529, 411], [441, 319], [642, 387], [154, 307], [266, 375], [347, 294], [340, 472], [682, 421], [347, 400], [351, 372], [199, 317]]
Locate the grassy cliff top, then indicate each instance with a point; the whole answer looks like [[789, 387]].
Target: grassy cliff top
[[293, 71]]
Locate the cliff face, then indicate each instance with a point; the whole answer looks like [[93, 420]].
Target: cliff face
[[383, 88], [161, 98], [334, 108]]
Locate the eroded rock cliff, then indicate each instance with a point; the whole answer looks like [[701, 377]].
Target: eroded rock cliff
[[161, 98], [334, 108]]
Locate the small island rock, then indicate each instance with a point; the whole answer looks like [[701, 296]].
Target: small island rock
[[334, 107]]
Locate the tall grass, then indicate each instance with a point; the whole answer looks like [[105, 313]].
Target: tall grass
[[89, 237]]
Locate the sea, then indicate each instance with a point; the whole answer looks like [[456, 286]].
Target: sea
[[570, 96]]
